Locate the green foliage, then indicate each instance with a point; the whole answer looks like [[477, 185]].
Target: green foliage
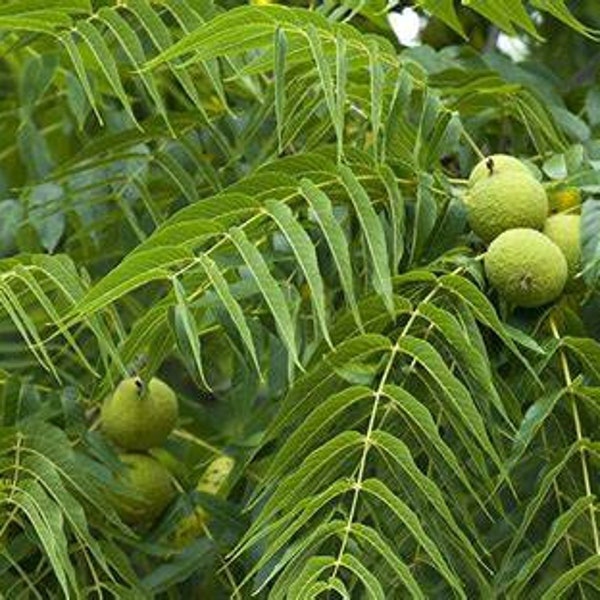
[[263, 205]]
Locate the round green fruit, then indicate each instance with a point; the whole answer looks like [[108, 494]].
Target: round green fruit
[[563, 199], [526, 267], [189, 528], [139, 417], [149, 489], [563, 230], [505, 201], [216, 474], [496, 164]]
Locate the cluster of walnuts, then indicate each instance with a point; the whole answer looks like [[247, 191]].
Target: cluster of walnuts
[[532, 257], [136, 418]]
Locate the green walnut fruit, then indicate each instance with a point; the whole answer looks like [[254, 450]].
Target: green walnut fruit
[[212, 482], [526, 267], [563, 199], [216, 475], [189, 528], [507, 200], [563, 230], [149, 489], [139, 417], [496, 164]]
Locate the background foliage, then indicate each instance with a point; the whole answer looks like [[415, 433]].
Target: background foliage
[[262, 204]]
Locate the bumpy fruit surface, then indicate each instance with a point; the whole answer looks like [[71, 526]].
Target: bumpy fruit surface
[[506, 201], [563, 230], [138, 417], [216, 474], [496, 164], [526, 267], [563, 199], [149, 489], [212, 482], [189, 528]]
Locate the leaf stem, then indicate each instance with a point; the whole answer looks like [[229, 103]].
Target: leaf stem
[[472, 143], [368, 437]]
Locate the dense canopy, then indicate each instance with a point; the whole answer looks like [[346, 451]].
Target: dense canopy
[[265, 205]]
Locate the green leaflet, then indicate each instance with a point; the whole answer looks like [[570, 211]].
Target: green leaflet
[[484, 311], [556, 534], [45, 517], [425, 217], [327, 84], [49, 478], [26, 328], [322, 380], [269, 288], [336, 240], [135, 271], [294, 486], [289, 566], [454, 391], [67, 40], [380, 491], [231, 304], [570, 577], [377, 89], [444, 10], [373, 232], [376, 542], [532, 422], [422, 420], [304, 252], [397, 212], [187, 335], [398, 452], [333, 583], [180, 177], [134, 50], [371, 584], [559, 10], [329, 412], [312, 570], [536, 503], [587, 350], [281, 48], [283, 530], [505, 15], [469, 357], [105, 61]]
